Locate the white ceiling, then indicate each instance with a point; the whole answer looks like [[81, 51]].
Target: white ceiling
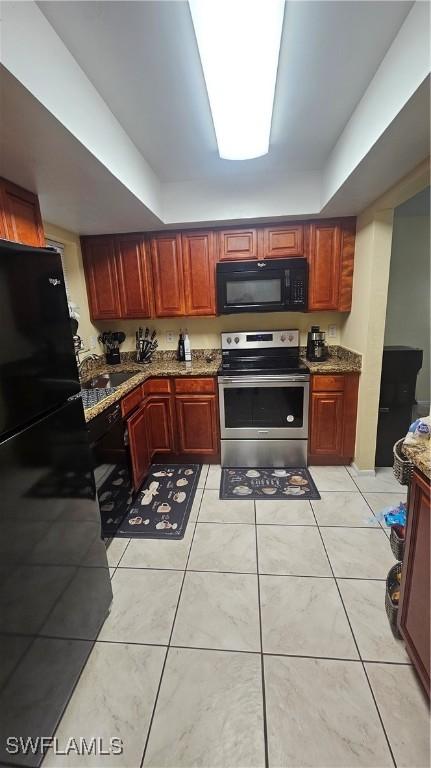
[[143, 59], [105, 113]]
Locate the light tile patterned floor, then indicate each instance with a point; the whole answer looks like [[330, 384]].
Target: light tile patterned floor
[[259, 640]]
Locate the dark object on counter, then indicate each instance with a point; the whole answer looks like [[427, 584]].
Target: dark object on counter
[[181, 355], [317, 348], [400, 367], [145, 345], [392, 597], [272, 285], [55, 577], [111, 340]]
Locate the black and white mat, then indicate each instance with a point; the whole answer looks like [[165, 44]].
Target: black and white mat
[[162, 507], [267, 483]]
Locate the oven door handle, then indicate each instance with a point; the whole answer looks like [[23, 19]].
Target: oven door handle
[[261, 380]]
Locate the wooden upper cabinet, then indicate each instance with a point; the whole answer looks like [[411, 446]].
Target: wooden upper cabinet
[[199, 273], [235, 244], [133, 276], [101, 277], [21, 219], [283, 241], [168, 278], [324, 258]]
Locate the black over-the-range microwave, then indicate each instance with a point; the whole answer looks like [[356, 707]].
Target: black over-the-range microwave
[[262, 286]]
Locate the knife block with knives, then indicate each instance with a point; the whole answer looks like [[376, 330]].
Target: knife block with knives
[[145, 345]]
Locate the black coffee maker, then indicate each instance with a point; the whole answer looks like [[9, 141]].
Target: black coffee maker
[[317, 348]]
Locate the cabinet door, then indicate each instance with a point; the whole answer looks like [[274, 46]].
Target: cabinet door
[[326, 433], [21, 217], [283, 241], [160, 424], [414, 609], [197, 424], [139, 446], [101, 277], [168, 280], [132, 269], [235, 244], [199, 268], [324, 279]]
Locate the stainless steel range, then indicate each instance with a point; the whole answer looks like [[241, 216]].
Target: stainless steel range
[[263, 396]]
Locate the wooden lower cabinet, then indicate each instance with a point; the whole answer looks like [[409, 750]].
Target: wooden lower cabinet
[[160, 424], [139, 445], [414, 607], [197, 424], [180, 425], [332, 417]]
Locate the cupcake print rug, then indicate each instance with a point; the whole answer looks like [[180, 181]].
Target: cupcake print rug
[[267, 483], [162, 507]]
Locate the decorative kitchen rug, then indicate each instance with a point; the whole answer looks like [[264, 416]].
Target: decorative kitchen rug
[[267, 483], [115, 497], [162, 507]]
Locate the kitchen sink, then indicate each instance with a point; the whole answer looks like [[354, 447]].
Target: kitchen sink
[[108, 380]]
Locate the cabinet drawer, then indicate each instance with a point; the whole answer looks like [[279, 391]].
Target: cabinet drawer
[[131, 401], [326, 383], [187, 385], [157, 386]]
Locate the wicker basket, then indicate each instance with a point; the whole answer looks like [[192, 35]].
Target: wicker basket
[[397, 542], [392, 608], [402, 467]]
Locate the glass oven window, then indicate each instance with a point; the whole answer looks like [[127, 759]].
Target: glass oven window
[[253, 292], [263, 407]]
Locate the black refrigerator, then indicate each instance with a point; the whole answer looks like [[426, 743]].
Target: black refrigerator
[[55, 590], [400, 367]]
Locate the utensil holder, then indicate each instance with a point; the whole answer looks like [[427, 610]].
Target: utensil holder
[[113, 357]]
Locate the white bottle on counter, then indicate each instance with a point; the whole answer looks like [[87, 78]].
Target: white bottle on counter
[[187, 349]]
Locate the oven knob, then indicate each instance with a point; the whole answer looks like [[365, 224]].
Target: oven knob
[[283, 337], [290, 337], [229, 340], [236, 339]]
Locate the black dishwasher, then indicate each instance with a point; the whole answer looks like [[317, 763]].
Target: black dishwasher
[[112, 467]]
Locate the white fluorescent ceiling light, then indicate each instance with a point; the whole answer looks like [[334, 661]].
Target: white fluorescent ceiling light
[[239, 46]]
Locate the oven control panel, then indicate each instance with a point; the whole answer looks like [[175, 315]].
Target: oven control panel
[[260, 339]]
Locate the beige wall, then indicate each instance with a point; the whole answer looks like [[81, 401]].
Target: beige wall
[[364, 328]]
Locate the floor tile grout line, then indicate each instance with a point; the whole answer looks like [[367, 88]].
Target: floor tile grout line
[[249, 573], [262, 663], [357, 648], [170, 638], [221, 650]]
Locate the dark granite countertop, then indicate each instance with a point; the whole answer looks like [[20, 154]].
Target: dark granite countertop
[[205, 362], [420, 456]]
